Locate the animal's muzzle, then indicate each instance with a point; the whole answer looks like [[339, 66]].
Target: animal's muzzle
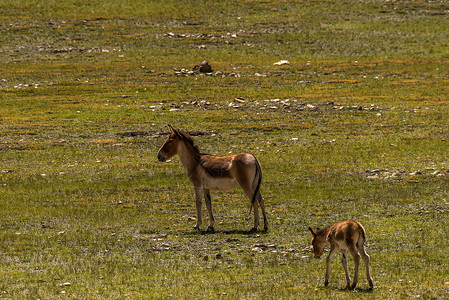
[[160, 157]]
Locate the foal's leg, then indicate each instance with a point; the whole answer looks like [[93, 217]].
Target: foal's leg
[[209, 209], [344, 262], [198, 198], [356, 257], [328, 264], [366, 260]]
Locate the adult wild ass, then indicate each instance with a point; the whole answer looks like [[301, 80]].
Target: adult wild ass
[[344, 236], [207, 172]]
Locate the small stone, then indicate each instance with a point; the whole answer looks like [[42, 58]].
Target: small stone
[[189, 218], [282, 62]]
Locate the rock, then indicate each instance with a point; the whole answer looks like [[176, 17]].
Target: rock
[[233, 74], [203, 67], [282, 62], [264, 247], [189, 218], [257, 249], [260, 75]]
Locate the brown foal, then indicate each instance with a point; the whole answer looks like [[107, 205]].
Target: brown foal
[[344, 236]]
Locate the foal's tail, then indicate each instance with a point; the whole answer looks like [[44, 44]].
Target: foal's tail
[[259, 181], [363, 234]]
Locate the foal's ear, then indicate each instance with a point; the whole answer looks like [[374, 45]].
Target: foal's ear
[[313, 232]]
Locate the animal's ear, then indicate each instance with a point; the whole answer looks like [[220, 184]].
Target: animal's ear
[[313, 232], [175, 131]]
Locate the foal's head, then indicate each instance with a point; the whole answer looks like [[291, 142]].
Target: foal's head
[[318, 243], [170, 147]]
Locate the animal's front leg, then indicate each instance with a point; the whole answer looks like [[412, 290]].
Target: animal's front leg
[[328, 264], [208, 200], [198, 199]]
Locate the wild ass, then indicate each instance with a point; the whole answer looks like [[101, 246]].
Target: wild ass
[[344, 236], [207, 172]]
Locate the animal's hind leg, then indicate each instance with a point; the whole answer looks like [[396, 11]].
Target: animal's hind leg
[[366, 260], [256, 215], [344, 262], [262, 206], [255, 205], [208, 201], [356, 257]]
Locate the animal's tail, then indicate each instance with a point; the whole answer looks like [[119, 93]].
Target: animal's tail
[[363, 235], [259, 181]]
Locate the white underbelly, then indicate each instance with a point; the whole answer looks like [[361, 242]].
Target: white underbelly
[[219, 183]]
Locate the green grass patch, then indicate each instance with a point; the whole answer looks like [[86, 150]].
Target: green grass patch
[[354, 127]]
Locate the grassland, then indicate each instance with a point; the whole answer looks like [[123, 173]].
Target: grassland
[[356, 126]]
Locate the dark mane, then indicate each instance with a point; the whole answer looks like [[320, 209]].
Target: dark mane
[[214, 169], [187, 137]]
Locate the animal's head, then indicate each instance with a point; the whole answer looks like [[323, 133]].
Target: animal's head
[[318, 243], [170, 146]]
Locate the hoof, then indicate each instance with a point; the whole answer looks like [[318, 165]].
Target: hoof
[[196, 228], [265, 228], [254, 229], [210, 229], [371, 286], [352, 286], [326, 283]]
